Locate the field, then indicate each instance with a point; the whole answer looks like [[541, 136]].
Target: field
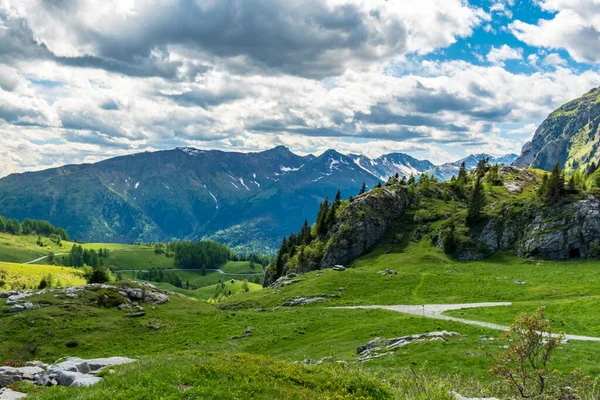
[[190, 332], [28, 276], [20, 249]]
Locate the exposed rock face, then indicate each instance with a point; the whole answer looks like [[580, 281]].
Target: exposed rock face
[[364, 222], [565, 231]]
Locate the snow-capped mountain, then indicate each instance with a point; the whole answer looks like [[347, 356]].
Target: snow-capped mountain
[[446, 171]]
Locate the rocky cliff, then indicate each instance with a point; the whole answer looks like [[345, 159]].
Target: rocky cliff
[[364, 222]]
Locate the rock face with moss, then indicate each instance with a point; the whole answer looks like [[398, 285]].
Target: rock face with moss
[[568, 136], [363, 222], [570, 230]]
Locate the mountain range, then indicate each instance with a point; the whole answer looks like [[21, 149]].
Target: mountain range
[[246, 200]]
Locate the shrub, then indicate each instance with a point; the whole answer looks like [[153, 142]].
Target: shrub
[[523, 367]]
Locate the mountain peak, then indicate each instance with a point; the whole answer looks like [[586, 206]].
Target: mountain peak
[[568, 136]]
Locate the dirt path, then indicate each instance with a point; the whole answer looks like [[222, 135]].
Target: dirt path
[[436, 310], [42, 258]]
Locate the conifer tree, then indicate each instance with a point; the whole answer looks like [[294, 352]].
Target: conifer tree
[[363, 188], [476, 202]]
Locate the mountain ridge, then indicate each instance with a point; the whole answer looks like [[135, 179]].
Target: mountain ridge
[[189, 193]]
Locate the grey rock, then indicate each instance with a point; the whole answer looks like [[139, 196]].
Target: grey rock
[[339, 268], [7, 394], [16, 308], [70, 378], [135, 314], [300, 300], [379, 347], [10, 375], [369, 217], [457, 396]]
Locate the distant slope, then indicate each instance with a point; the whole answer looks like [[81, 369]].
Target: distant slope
[[569, 136], [446, 171]]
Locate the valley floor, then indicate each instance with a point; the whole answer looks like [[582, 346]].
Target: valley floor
[[189, 349]]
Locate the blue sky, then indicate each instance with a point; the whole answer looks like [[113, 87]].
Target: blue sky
[[81, 81]]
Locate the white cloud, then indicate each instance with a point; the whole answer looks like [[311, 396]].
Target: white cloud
[[498, 55], [575, 27], [554, 59], [352, 87]]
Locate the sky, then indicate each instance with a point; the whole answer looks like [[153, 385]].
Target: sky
[[85, 80]]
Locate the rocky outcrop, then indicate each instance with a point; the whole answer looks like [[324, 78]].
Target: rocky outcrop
[[71, 371], [381, 347], [148, 294], [564, 231], [364, 222]]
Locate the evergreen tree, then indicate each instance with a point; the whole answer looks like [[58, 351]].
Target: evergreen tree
[[462, 173], [592, 168], [553, 186], [411, 179], [476, 202], [322, 217], [363, 188], [337, 202]]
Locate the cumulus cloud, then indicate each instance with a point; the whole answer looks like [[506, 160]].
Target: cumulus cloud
[[82, 80], [574, 27], [503, 53]]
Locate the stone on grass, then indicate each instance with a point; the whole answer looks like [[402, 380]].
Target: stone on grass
[[339, 268], [7, 394]]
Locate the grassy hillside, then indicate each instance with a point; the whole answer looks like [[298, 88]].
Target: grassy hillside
[[24, 248], [21, 276]]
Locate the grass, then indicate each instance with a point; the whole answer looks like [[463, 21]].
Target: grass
[[208, 292], [137, 258], [28, 276], [573, 316], [193, 375], [427, 275], [20, 249], [242, 267]]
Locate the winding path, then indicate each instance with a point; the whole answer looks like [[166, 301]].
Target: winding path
[[436, 311], [43, 258]]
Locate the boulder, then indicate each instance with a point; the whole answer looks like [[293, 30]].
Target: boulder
[[7, 394], [457, 396], [16, 308], [69, 378], [10, 375], [339, 268]]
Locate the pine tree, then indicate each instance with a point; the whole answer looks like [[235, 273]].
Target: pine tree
[[411, 179], [462, 173], [338, 199], [476, 202], [322, 217], [363, 188], [592, 168]]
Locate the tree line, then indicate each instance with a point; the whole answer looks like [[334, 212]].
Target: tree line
[[32, 227]]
